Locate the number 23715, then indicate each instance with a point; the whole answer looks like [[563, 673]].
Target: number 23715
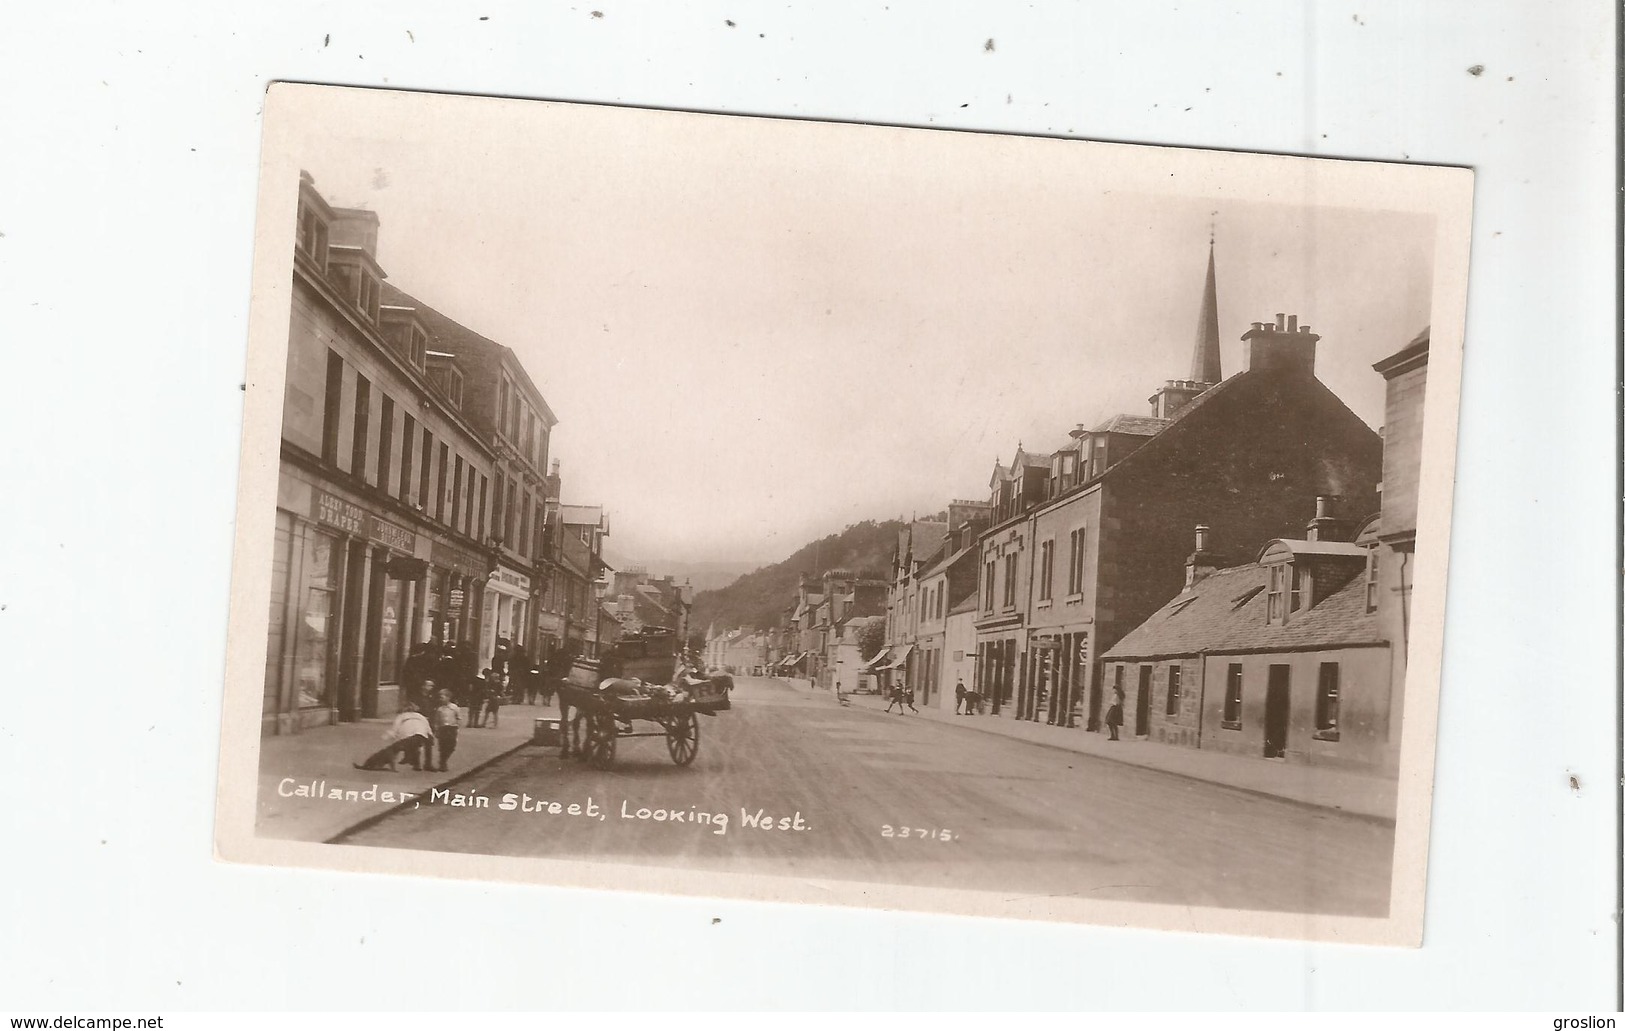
[[918, 833]]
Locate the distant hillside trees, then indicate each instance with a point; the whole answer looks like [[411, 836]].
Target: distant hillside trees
[[759, 598]]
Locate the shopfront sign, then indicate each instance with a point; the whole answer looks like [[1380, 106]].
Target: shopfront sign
[[347, 516], [454, 603], [457, 560], [508, 577]]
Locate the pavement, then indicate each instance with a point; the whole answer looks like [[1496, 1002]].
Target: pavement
[[1348, 791], [325, 756], [791, 784]]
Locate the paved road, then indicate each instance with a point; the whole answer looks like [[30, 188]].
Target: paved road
[[1021, 818]]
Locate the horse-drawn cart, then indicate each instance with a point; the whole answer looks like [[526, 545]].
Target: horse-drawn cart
[[639, 681]]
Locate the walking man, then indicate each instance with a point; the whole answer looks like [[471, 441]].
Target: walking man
[[959, 696]]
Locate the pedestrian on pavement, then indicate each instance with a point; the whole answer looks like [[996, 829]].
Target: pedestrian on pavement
[[1114, 714], [414, 671], [531, 670], [494, 688], [959, 697], [406, 737], [447, 719]]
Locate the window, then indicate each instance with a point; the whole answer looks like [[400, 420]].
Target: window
[[331, 402], [313, 235], [502, 405], [1010, 581], [1074, 575], [987, 585], [358, 442], [468, 502], [423, 474], [456, 491], [480, 529], [1371, 579], [386, 442], [1046, 575], [440, 492], [1327, 700], [1275, 601], [508, 514], [1231, 718], [1297, 588], [1173, 691], [524, 526], [367, 298], [409, 428]]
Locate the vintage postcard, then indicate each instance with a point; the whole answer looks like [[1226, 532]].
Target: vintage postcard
[[844, 514]]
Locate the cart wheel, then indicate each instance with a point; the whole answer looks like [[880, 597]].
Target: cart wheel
[[601, 736], [683, 738]]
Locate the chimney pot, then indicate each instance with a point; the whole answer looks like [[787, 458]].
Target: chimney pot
[[1257, 326], [1291, 323], [1201, 538], [1280, 320], [1323, 506]]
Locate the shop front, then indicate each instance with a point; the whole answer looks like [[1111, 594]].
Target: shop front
[[342, 581], [506, 613], [456, 578], [1053, 686], [1000, 668]]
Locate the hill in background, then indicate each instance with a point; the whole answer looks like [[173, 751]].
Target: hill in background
[[759, 598]]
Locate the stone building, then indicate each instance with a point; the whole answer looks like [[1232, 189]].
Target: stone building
[[1300, 654], [383, 495], [508, 410]]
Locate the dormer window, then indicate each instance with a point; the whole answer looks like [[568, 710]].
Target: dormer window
[[367, 299], [1285, 594], [1371, 579], [312, 235]]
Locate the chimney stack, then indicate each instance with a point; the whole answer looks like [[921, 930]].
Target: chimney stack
[[1281, 345], [1326, 526], [1202, 561]]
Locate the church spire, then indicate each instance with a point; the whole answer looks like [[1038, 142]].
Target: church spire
[[1205, 360]]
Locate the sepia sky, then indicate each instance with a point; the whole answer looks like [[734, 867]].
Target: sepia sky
[[756, 332]]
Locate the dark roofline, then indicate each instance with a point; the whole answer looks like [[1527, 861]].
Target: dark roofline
[[1273, 650]]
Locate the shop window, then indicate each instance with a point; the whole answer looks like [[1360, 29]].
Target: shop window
[[390, 637], [318, 584], [1172, 708], [1231, 719], [1328, 699]]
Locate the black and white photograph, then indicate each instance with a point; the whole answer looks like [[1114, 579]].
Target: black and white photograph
[[845, 514]]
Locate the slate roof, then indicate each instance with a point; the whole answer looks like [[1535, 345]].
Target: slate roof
[[1134, 425], [968, 605], [949, 562], [1224, 614], [451, 337]]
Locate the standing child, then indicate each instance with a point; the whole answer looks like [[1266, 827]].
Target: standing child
[[447, 719]]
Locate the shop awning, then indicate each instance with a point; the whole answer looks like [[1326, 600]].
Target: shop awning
[[902, 657], [875, 662]]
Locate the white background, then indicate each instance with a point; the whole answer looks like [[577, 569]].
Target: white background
[[126, 207]]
